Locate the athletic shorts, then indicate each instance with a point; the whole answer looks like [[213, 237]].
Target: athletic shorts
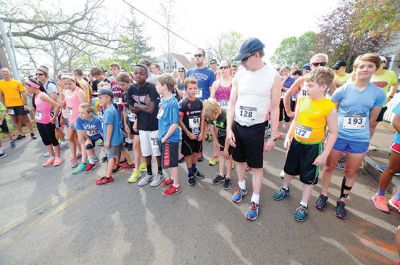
[[114, 151], [352, 147], [47, 133], [249, 144], [17, 111], [190, 147], [396, 148], [221, 141], [380, 116], [133, 132], [149, 143], [169, 154], [300, 159], [4, 127], [94, 141]]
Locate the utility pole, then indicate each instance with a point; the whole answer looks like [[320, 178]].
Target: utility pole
[[10, 54]]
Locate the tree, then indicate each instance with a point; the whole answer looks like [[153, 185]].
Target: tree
[[226, 46], [167, 12]]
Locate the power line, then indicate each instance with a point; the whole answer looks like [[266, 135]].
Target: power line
[[161, 25]]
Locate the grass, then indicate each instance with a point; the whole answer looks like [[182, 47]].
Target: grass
[[12, 129]]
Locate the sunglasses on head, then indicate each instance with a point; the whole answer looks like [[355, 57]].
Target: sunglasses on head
[[198, 55], [224, 67], [319, 64], [37, 74]]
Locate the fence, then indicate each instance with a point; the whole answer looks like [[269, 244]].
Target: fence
[[389, 114]]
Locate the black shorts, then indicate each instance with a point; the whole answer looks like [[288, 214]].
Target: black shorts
[[282, 112], [47, 133], [190, 147], [169, 154], [221, 141], [380, 116], [17, 111], [94, 142], [249, 144], [292, 104], [4, 127], [133, 132], [300, 159]]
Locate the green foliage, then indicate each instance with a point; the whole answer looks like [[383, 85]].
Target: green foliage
[[226, 46]]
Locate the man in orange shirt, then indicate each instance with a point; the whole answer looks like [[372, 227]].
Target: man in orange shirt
[[12, 95]]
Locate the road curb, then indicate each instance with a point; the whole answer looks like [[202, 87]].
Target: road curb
[[370, 168]]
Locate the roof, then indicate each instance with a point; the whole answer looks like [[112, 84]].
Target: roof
[[182, 60]]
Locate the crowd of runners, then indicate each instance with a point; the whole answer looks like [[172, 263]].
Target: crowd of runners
[[244, 110]]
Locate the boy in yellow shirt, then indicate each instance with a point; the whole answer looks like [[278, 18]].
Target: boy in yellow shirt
[[306, 136]]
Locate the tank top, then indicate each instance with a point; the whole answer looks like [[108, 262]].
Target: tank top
[[312, 119], [72, 103], [42, 114], [254, 95], [222, 94]]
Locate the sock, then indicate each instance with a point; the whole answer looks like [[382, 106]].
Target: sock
[[149, 171], [397, 195], [194, 169], [255, 198], [91, 160], [190, 171], [304, 204], [381, 192], [285, 188], [159, 170], [242, 184]]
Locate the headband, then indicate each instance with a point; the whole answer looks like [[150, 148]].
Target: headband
[[32, 84], [70, 77]]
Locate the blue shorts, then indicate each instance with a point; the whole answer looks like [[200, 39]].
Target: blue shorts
[[353, 147]]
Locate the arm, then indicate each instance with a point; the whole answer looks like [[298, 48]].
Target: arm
[[3, 116], [54, 104], [203, 127], [170, 131], [109, 134], [2, 97], [213, 89], [231, 113], [125, 118], [392, 91], [295, 88], [332, 123], [396, 123], [148, 108], [290, 132], [275, 100], [82, 96], [184, 129]]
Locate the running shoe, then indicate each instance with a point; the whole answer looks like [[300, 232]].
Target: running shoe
[[322, 202], [104, 180], [19, 137], [301, 213], [95, 159], [157, 180], [171, 191], [104, 159], [33, 136], [79, 169], [181, 160], [49, 162], [191, 180], [100, 142], [58, 161], [213, 161], [167, 182], [198, 174], [12, 144], [116, 169], [340, 210], [74, 163], [252, 212], [135, 176], [281, 194], [90, 168], [47, 154], [2, 155], [227, 184], [238, 195], [372, 148], [218, 179], [380, 203], [64, 145], [127, 166], [123, 161], [201, 158], [78, 156], [395, 204], [142, 166], [146, 180]]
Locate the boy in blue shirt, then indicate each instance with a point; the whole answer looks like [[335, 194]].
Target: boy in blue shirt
[[168, 132], [113, 135]]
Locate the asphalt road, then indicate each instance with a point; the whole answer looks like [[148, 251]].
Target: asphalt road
[[48, 216]]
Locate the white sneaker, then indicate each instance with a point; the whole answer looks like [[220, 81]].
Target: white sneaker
[[46, 154], [157, 180], [145, 180], [282, 174], [64, 145]]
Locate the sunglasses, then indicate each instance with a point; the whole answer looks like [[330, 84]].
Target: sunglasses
[[224, 67], [38, 74], [319, 64], [181, 71], [246, 58], [383, 62], [198, 55]]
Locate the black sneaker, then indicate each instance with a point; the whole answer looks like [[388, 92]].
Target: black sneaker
[[19, 137], [104, 159], [227, 184], [198, 174], [181, 160], [33, 136], [116, 170], [201, 159], [191, 181], [321, 203], [12, 144], [218, 179], [3, 155], [340, 210]]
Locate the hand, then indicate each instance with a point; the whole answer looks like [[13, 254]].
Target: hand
[[53, 120], [291, 114], [107, 145], [147, 101], [163, 140], [217, 144], [287, 143], [231, 137], [226, 153], [191, 136], [320, 160], [200, 137], [26, 107], [127, 129], [268, 146]]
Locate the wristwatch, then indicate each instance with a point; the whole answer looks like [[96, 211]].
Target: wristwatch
[[275, 139]]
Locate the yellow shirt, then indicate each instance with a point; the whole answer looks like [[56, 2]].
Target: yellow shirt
[[384, 81], [312, 119], [12, 92], [342, 79]]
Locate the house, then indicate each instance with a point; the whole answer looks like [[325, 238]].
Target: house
[[177, 61]]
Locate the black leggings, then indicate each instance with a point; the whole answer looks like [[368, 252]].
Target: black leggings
[[282, 112], [47, 132]]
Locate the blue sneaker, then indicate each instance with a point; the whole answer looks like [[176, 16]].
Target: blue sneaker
[[280, 194], [252, 212], [238, 195], [301, 213]]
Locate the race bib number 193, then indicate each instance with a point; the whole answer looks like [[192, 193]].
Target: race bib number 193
[[354, 121]]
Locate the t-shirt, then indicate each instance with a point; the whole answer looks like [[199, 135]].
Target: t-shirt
[[220, 123], [342, 79], [117, 90], [50, 87], [396, 111], [168, 114], [354, 110], [93, 128], [12, 92], [384, 81], [190, 111], [205, 78], [125, 99], [312, 119], [146, 121], [111, 116]]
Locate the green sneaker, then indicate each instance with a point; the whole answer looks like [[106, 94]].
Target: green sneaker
[[135, 176], [100, 142], [79, 169]]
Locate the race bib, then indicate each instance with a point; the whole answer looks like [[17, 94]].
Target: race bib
[[194, 123], [131, 116], [160, 113], [69, 111], [38, 115], [354, 122], [154, 142], [199, 93], [10, 111], [92, 132], [247, 113], [303, 131], [223, 103], [303, 92]]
